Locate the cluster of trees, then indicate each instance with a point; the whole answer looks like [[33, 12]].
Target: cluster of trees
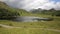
[[52, 12], [7, 12]]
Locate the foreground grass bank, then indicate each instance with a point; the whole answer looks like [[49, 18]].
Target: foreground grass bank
[[26, 31], [27, 26]]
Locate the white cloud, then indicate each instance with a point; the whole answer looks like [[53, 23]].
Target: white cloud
[[2, 0], [30, 4], [35, 3], [57, 6]]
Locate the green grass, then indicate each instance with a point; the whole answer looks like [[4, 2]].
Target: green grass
[[46, 24], [55, 24], [26, 31]]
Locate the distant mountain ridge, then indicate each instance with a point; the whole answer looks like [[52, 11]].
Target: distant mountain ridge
[[47, 12]]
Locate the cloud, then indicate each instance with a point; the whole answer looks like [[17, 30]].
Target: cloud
[[3, 0], [30, 4]]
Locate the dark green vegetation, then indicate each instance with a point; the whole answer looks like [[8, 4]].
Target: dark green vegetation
[[28, 27], [9, 12], [52, 12]]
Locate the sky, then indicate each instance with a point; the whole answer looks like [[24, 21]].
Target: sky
[[56, 0], [34, 4]]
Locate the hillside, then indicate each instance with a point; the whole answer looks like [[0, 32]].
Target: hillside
[[47, 12], [3, 5], [7, 11]]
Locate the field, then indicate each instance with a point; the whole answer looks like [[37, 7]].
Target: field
[[40, 27]]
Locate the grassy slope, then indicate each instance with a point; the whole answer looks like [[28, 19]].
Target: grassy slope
[[26, 31]]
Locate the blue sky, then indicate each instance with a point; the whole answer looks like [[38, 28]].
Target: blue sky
[[55, 0]]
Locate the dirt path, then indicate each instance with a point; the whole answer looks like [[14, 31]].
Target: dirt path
[[5, 26]]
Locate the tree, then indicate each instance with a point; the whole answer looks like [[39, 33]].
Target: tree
[[57, 13], [6, 14]]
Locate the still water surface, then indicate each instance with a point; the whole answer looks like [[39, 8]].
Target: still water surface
[[29, 19]]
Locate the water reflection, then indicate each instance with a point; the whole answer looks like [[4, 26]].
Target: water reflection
[[31, 19]]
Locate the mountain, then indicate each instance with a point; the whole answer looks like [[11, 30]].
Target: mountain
[[36, 10], [47, 12], [8, 12]]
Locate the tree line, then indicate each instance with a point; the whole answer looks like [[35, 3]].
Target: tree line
[[52, 12]]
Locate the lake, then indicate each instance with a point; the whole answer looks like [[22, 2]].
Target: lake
[[31, 19]]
